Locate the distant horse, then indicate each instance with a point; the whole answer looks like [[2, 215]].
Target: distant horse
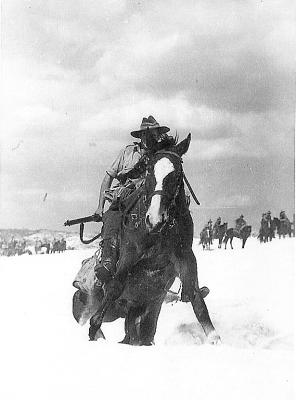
[[63, 245], [155, 248], [42, 248], [284, 227], [219, 233], [267, 230], [243, 234], [56, 247], [205, 238]]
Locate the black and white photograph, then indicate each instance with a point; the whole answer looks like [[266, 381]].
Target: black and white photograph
[[147, 199]]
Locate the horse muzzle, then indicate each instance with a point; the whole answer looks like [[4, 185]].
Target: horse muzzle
[[153, 221]]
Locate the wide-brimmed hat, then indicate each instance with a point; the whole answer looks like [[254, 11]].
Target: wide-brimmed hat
[[149, 123]]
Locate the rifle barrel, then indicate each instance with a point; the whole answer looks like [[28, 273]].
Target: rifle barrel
[[90, 218]]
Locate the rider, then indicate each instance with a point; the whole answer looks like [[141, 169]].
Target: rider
[[124, 163], [216, 226], [210, 222], [268, 215], [283, 216], [240, 223]]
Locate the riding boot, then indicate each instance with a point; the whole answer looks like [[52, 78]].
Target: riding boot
[[106, 267]]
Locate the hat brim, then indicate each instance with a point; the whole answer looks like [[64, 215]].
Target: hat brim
[[161, 129]]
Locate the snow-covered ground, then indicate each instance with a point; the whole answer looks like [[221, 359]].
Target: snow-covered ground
[[45, 354]]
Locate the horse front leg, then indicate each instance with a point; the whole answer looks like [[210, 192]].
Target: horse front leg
[[202, 314], [226, 240], [189, 278], [148, 322], [97, 319], [231, 239], [113, 290], [130, 326]]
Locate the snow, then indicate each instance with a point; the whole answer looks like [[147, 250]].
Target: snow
[[45, 354]]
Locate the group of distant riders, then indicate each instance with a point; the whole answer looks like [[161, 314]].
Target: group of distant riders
[[213, 230], [269, 226], [281, 225], [14, 246]]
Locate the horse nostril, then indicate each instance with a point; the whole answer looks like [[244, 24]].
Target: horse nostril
[[147, 220]]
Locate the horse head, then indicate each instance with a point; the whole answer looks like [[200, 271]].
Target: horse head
[[163, 181]]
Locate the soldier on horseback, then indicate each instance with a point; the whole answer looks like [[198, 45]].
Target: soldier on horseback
[[121, 167], [283, 216], [268, 216], [240, 223], [217, 224], [210, 226]]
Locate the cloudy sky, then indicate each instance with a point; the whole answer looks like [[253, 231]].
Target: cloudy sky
[[78, 76]]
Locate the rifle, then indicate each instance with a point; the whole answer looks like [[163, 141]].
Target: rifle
[[82, 221]]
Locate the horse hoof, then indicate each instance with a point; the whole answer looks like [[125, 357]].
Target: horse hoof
[[214, 339], [146, 343]]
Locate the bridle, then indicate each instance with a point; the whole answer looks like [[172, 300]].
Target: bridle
[[161, 192]]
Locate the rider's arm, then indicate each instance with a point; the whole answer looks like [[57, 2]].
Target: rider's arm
[[137, 170], [111, 173], [106, 184]]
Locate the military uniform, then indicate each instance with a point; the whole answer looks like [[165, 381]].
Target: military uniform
[[124, 163], [216, 226], [240, 223]]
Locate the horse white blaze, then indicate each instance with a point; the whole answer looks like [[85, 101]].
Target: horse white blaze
[[161, 169]]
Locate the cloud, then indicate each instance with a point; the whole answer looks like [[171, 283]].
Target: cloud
[[236, 201], [81, 72]]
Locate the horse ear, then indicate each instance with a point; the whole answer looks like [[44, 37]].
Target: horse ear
[[183, 146]]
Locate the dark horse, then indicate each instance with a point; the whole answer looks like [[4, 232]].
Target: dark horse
[[283, 226], [205, 238], [155, 248], [267, 230], [220, 233], [243, 234]]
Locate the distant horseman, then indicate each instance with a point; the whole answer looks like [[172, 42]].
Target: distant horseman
[[216, 226], [240, 223]]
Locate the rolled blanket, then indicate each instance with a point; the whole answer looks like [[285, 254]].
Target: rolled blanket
[[85, 279], [85, 299]]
